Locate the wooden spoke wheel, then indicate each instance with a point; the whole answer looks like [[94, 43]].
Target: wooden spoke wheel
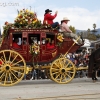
[[12, 67], [62, 70]]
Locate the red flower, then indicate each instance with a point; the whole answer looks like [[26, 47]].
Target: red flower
[[6, 23], [20, 16]]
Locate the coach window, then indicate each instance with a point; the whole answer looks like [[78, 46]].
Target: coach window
[[19, 36], [34, 38]]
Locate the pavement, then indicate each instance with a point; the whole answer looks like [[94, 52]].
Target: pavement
[[77, 89]]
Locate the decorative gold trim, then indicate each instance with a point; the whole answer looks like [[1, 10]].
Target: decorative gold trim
[[54, 53], [10, 42], [43, 52], [28, 69], [34, 30]]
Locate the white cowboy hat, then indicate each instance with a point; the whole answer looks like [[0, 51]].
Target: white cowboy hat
[[65, 18]]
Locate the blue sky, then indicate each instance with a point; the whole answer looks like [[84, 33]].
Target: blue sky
[[82, 13]]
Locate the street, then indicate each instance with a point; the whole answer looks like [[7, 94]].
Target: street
[[77, 89]]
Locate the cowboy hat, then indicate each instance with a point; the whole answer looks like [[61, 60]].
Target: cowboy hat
[[65, 18], [47, 10]]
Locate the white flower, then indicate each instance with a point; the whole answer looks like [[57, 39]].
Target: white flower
[[26, 19], [36, 52]]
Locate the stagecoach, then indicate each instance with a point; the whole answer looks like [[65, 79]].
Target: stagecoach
[[15, 62]]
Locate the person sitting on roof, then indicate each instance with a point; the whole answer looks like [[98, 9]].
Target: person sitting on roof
[[67, 32], [48, 19], [15, 43]]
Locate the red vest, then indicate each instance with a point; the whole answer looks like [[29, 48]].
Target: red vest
[[15, 45]]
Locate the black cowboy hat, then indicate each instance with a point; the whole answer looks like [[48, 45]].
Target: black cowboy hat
[[47, 10]]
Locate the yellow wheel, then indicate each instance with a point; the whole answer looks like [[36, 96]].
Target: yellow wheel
[[12, 67], [62, 70]]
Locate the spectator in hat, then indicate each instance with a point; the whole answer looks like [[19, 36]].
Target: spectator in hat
[[67, 32], [48, 19]]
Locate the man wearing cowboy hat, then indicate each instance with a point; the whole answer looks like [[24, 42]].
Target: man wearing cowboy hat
[[48, 18], [67, 32]]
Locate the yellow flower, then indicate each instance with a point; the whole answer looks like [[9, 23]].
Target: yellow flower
[[34, 49], [27, 10], [31, 12], [19, 15], [35, 21], [21, 22], [60, 37], [20, 11]]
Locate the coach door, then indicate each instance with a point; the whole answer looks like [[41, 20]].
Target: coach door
[[24, 46]]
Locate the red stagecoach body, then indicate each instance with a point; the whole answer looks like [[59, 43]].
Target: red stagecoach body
[[46, 55]]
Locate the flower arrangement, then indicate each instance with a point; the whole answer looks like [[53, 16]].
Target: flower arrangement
[[60, 37], [26, 19], [34, 49]]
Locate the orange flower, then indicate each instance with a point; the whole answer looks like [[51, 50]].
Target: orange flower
[[6, 23]]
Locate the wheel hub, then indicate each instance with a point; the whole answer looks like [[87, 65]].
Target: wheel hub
[[63, 70], [7, 67]]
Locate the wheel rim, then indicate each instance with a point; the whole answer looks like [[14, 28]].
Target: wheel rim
[[62, 70], [12, 67]]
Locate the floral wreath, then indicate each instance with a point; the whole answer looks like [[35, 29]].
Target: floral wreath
[[34, 49]]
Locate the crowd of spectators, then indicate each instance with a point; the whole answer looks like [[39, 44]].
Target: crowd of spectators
[[80, 59]]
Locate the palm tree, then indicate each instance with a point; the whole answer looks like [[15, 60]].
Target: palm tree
[[88, 30], [94, 26]]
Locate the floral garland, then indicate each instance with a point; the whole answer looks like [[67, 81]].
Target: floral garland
[[34, 49], [6, 28], [1, 40]]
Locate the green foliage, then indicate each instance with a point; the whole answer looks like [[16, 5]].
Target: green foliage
[[59, 44], [91, 37], [88, 30], [72, 29], [5, 30]]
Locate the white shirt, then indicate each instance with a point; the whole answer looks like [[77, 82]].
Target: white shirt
[[65, 28]]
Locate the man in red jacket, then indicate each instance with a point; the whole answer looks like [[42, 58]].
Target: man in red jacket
[[48, 18]]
